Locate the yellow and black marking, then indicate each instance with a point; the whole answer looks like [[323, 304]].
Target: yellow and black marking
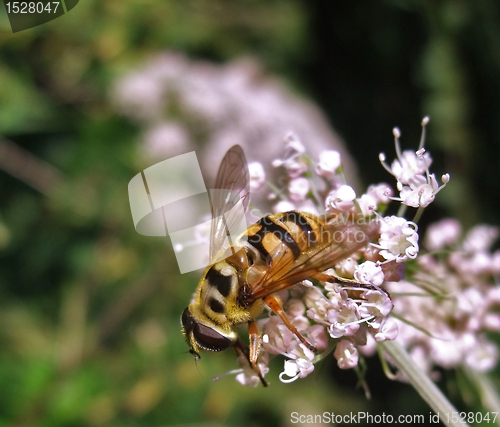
[[225, 294], [227, 297], [309, 226], [296, 230], [221, 286], [216, 279], [266, 234]]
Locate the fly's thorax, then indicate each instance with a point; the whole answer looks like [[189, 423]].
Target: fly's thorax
[[240, 256], [218, 286], [254, 274], [219, 293]]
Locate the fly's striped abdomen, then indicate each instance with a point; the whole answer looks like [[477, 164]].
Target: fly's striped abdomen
[[297, 230]]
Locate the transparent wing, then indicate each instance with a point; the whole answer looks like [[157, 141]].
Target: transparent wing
[[230, 197], [339, 243]]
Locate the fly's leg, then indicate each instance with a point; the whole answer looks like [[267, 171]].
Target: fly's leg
[[254, 337], [323, 277], [251, 354], [275, 305]]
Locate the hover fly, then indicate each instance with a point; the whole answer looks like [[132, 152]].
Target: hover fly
[[276, 253]]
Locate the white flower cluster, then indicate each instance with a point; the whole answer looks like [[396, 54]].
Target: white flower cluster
[[416, 185], [344, 316], [457, 299]]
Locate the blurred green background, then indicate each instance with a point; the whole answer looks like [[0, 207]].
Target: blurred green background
[[89, 309]]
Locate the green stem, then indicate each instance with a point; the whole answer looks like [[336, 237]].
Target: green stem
[[401, 210], [418, 214], [423, 384]]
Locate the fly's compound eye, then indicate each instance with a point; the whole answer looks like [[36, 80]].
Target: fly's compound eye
[[209, 339]]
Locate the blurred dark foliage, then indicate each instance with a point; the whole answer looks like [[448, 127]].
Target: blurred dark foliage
[[89, 311]]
